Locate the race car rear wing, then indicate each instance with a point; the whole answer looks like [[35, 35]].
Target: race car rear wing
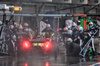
[[37, 40]]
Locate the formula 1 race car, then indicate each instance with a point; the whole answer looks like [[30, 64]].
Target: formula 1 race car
[[41, 46]]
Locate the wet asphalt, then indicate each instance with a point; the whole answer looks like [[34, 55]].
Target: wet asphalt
[[62, 60]]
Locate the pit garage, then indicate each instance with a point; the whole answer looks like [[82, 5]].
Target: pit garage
[[49, 33]]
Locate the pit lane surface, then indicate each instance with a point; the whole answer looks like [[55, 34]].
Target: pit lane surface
[[45, 61], [38, 60]]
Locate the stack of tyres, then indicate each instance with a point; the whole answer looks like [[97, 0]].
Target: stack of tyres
[[73, 49]]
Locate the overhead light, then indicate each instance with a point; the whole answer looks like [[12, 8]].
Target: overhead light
[[17, 8]]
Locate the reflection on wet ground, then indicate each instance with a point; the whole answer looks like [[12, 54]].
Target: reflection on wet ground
[[41, 61]]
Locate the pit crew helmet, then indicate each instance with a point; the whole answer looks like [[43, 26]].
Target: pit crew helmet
[[16, 24], [69, 27], [74, 24], [48, 25], [12, 26], [30, 30], [14, 37], [65, 29], [26, 29], [70, 32], [69, 40], [80, 29], [91, 24], [20, 27], [78, 22], [26, 24]]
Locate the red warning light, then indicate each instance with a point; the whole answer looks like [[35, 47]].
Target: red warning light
[[26, 64], [47, 64], [88, 1], [26, 44], [47, 45], [58, 30]]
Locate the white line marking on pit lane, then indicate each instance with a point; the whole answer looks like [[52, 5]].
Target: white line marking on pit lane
[[95, 64]]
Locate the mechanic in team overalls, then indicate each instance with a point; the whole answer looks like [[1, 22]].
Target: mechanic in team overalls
[[69, 27], [64, 33], [19, 32], [28, 32], [25, 26], [12, 29], [74, 27], [24, 30], [69, 35], [91, 31], [79, 37], [78, 23], [14, 39], [49, 32], [9, 32], [31, 33], [11, 39], [16, 25], [92, 28], [20, 29]]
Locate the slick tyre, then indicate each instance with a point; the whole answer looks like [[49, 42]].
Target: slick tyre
[[73, 49]]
